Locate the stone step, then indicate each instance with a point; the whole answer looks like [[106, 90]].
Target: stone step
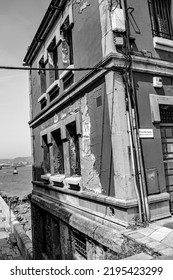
[[141, 256]]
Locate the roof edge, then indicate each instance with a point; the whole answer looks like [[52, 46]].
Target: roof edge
[[43, 30]]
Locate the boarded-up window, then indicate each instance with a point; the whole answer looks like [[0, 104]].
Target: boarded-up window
[[58, 156], [46, 155], [74, 152]]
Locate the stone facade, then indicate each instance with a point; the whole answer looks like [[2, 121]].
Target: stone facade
[[90, 94]]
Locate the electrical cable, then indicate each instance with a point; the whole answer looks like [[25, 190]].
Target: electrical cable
[[100, 68]]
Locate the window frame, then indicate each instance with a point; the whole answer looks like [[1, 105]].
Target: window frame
[[66, 179]]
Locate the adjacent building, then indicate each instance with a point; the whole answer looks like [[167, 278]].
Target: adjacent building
[[101, 97]]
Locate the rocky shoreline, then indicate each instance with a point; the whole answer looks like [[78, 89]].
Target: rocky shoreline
[[21, 209]]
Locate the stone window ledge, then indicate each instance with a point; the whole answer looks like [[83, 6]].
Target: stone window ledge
[[65, 72], [46, 177], [42, 97], [52, 86], [57, 178], [73, 180], [163, 44], [73, 183]]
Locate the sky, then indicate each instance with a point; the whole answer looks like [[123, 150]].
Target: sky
[[19, 21]]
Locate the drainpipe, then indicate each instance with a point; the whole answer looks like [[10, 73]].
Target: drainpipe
[[133, 118], [133, 168]]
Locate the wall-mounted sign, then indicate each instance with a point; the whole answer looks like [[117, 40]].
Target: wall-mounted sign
[[146, 133]]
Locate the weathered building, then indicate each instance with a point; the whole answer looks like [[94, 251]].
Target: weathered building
[[101, 98]]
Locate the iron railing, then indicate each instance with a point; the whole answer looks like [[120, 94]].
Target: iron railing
[[160, 13]]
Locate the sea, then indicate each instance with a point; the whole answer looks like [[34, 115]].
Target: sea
[[16, 185]]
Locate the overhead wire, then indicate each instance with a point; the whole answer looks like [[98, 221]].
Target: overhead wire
[[100, 68]]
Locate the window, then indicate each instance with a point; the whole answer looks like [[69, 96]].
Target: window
[[52, 62], [46, 155], [67, 45], [80, 244], [43, 103], [68, 80], [42, 74], [58, 156], [160, 12], [74, 154]]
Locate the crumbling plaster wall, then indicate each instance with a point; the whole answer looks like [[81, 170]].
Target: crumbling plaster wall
[[92, 142], [90, 176]]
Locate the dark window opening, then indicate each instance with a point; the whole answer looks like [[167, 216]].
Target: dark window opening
[[68, 80], [42, 74], [52, 61], [53, 94], [58, 155], [46, 155], [160, 13], [74, 152], [67, 44], [166, 113], [43, 103]]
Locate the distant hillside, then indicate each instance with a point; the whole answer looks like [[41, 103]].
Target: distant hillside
[[21, 159], [17, 159]]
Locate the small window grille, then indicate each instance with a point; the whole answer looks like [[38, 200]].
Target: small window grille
[[166, 114], [80, 244], [160, 13]]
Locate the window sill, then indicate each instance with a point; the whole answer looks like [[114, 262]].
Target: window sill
[[46, 177], [73, 183], [52, 86], [163, 44], [42, 97], [73, 180], [57, 178], [65, 72]]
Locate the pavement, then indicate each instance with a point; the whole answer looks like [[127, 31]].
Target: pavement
[[8, 244], [157, 238]]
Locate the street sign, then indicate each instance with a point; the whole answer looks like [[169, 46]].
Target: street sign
[[146, 133]]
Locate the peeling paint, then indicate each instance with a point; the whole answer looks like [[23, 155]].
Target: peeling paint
[[90, 177], [83, 4], [63, 116]]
